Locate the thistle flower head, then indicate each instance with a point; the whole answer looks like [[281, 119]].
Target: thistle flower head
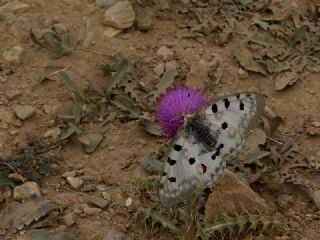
[[174, 104]]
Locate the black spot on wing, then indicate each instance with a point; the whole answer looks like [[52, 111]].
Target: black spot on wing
[[177, 147], [238, 96], [226, 103], [192, 160], [214, 108], [171, 161], [221, 146], [172, 179], [164, 174], [224, 125], [217, 153], [241, 106], [213, 157]]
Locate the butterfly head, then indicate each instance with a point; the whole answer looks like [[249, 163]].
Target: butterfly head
[[175, 107]]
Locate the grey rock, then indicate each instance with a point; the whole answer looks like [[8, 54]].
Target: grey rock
[[89, 187]]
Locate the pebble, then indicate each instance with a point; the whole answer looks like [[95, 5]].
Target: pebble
[[72, 173], [91, 211], [53, 133], [14, 55], [172, 65], [24, 112], [98, 202], [89, 187], [68, 219], [26, 191], [315, 124], [159, 69], [75, 182], [164, 52], [129, 202], [106, 196], [316, 198], [120, 15], [13, 94]]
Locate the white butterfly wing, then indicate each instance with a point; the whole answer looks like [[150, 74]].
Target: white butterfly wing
[[187, 167], [231, 117], [190, 164]]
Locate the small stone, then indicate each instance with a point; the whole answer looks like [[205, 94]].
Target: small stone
[[91, 211], [315, 124], [159, 69], [53, 133], [120, 15], [143, 26], [72, 173], [75, 182], [172, 65], [14, 55], [164, 52], [89, 187], [113, 234], [242, 74], [26, 191], [13, 94], [316, 198], [98, 202], [17, 177], [68, 219], [101, 187], [129, 202], [106, 196], [231, 194], [24, 112], [14, 7]]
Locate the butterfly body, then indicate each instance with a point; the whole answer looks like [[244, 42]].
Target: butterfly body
[[203, 143]]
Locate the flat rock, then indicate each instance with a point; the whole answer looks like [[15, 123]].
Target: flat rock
[[89, 187], [233, 195], [14, 55], [120, 15], [27, 190], [164, 52], [68, 219], [75, 182], [316, 198], [99, 202], [24, 112]]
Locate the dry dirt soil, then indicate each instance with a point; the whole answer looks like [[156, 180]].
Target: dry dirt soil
[[116, 160]]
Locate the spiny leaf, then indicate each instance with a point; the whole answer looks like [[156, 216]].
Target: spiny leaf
[[150, 127], [164, 83], [71, 85], [127, 104]]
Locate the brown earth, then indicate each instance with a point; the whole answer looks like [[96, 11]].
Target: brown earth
[[126, 143]]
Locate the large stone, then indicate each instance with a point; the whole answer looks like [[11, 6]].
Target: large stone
[[27, 190], [233, 195], [120, 15], [99, 202]]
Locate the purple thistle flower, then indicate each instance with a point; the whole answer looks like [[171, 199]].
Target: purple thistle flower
[[174, 104]]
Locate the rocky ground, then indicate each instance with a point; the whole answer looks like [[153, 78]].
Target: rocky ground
[[72, 141]]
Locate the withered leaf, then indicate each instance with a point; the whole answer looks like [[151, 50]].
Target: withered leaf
[[150, 127], [165, 82], [246, 61]]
